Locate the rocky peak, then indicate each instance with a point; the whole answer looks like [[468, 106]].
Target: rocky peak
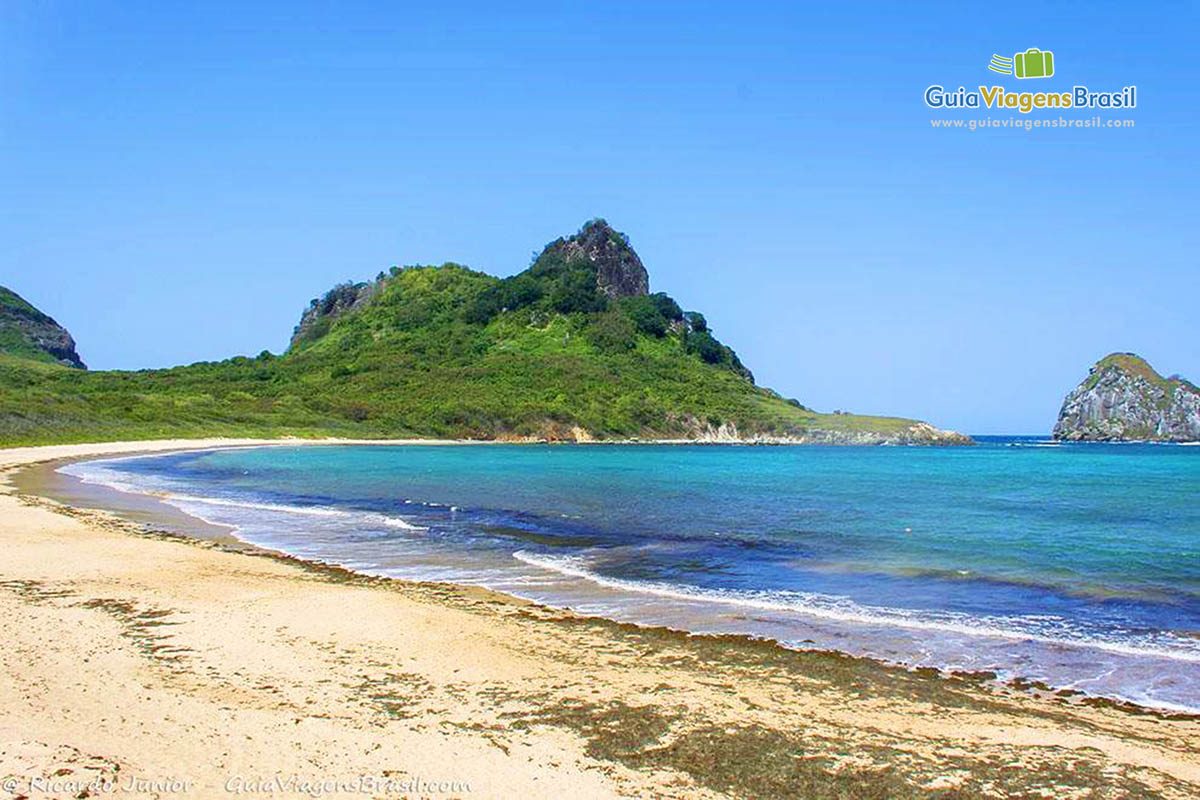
[[1124, 399], [28, 333], [322, 311], [619, 271]]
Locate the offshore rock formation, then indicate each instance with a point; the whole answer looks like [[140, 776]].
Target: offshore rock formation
[[1124, 400], [27, 332]]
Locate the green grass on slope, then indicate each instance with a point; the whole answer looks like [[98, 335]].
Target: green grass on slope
[[1129, 363], [12, 341], [10, 301], [1135, 365], [410, 364]]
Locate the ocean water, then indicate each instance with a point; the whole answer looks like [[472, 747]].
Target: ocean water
[[1077, 565]]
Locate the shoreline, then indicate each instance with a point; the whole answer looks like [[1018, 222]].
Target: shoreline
[[165, 520], [149, 508], [846, 680], [920, 434]]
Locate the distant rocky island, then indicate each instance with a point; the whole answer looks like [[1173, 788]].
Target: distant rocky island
[[1124, 399], [574, 348]]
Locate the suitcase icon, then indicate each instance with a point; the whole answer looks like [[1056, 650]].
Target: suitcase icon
[[1034, 63]]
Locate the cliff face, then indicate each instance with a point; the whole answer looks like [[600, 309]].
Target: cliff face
[[1124, 399], [28, 333]]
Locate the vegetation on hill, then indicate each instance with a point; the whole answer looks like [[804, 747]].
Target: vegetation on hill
[[1134, 365], [571, 348], [28, 333]]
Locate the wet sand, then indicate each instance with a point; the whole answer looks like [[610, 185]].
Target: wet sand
[[149, 648]]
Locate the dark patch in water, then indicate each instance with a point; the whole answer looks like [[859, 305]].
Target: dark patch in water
[[539, 537]]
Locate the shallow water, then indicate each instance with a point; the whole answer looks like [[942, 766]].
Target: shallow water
[[1078, 565]]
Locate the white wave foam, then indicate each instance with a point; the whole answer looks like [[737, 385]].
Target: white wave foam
[[842, 609], [312, 511], [95, 473], [1052, 632]]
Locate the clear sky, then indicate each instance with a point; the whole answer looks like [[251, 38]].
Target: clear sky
[[178, 180]]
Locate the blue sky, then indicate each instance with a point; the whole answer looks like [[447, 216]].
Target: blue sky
[[178, 182]]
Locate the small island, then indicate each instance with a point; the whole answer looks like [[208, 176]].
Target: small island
[[1124, 399]]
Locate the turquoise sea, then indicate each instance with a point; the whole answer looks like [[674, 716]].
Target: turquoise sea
[[1078, 565]]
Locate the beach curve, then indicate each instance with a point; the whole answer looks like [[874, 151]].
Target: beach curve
[[226, 653]]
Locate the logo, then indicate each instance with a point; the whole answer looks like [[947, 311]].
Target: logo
[[1033, 63]]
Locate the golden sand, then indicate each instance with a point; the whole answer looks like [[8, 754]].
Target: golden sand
[[172, 666]]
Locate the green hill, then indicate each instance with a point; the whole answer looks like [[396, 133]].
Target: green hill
[[28, 333], [573, 348]]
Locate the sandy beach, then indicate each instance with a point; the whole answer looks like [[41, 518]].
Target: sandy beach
[[168, 665]]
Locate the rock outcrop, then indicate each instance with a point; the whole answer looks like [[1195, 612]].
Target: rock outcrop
[[1124, 400], [619, 271], [28, 333], [322, 311], [917, 433]]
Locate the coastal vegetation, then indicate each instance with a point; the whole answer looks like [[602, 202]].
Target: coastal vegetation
[[574, 347]]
